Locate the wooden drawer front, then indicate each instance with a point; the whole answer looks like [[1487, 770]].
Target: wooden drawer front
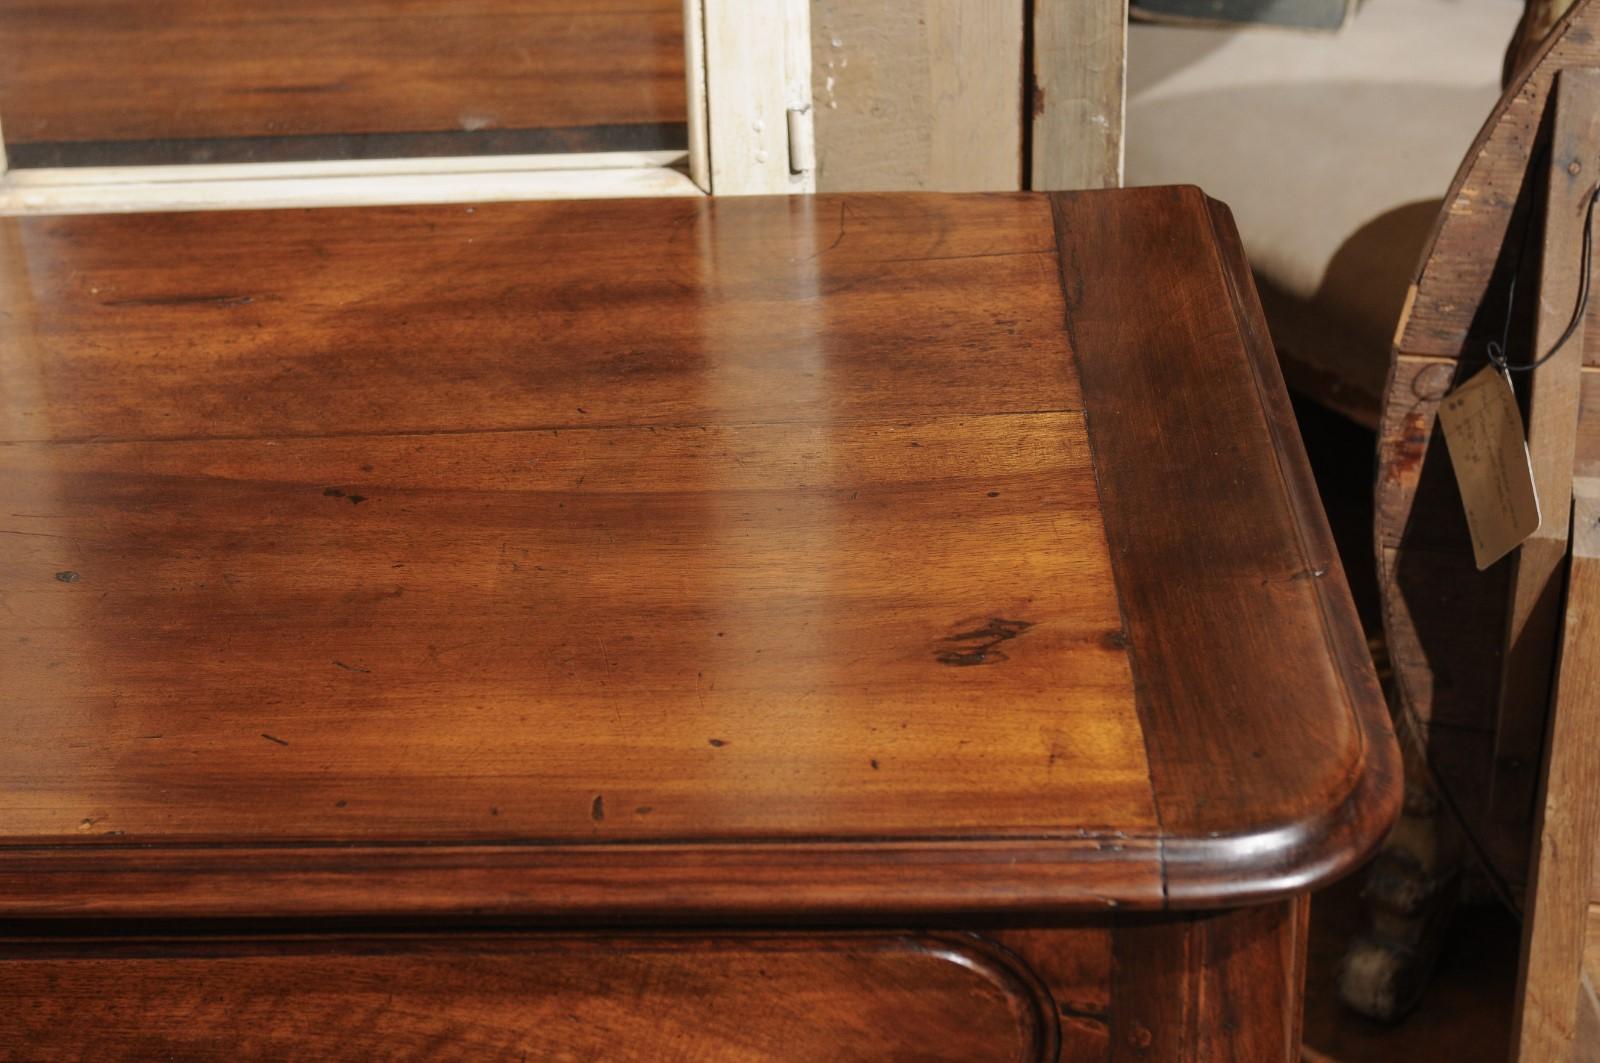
[[853, 997]]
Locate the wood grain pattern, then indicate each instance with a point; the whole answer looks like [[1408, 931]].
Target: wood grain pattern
[[1080, 57], [1206, 986], [472, 997], [507, 632], [529, 514], [448, 562], [1206, 591], [536, 883], [1221, 985], [134, 70], [393, 320], [1074, 964], [1568, 810], [918, 96]]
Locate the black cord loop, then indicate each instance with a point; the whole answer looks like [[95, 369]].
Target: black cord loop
[[1496, 349]]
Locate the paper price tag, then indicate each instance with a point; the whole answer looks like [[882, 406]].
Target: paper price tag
[[1489, 452]]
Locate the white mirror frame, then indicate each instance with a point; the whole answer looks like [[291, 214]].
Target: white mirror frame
[[750, 133]]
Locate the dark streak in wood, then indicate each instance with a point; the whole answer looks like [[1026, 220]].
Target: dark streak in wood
[[978, 646]]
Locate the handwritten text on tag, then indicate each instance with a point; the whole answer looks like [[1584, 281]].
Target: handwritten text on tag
[[1489, 452]]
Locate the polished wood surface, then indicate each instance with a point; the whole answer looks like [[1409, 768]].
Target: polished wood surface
[[1198, 986], [1238, 615], [665, 558], [79, 75], [504, 996], [1213, 986], [635, 656], [439, 629]]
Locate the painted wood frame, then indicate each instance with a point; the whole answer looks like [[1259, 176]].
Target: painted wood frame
[[1015, 97], [749, 74], [921, 96]]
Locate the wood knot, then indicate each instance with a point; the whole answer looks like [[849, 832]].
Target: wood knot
[[979, 645]]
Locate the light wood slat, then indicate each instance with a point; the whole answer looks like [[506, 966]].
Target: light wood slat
[[1533, 619], [1080, 69], [1568, 813]]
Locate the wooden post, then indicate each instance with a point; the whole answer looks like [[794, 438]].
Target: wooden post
[[1080, 57], [1534, 614], [1569, 812]]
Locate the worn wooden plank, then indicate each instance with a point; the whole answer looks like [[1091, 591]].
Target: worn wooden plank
[[1416, 497], [1568, 811], [1080, 50], [918, 95], [1443, 618], [1416, 500], [1533, 616]]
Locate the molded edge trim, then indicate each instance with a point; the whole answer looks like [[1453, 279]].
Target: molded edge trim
[[612, 882], [1297, 857], [1278, 857]]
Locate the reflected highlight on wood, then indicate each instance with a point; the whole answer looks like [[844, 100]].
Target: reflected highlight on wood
[[944, 561], [797, 538]]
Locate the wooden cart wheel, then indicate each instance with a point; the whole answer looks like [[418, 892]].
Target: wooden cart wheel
[[1445, 620]]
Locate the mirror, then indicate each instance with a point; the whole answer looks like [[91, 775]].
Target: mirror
[[161, 82]]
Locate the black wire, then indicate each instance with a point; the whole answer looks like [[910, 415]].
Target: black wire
[[1497, 349]]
